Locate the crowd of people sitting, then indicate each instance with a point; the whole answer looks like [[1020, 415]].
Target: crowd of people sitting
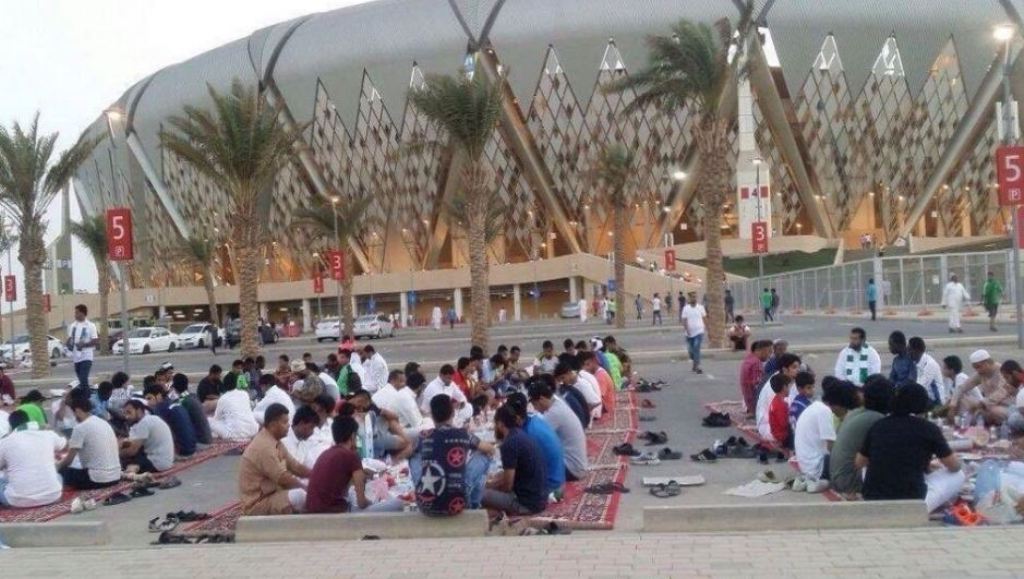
[[500, 431], [877, 436]]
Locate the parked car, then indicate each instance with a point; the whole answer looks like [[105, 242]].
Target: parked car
[[373, 326], [233, 332], [21, 346], [146, 340], [570, 310], [328, 329], [195, 336]]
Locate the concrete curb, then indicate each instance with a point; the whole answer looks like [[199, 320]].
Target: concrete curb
[[353, 527], [55, 534], [786, 516]]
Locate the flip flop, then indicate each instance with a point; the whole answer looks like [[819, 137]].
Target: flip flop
[[140, 491], [170, 483], [647, 418], [626, 449], [657, 438], [666, 491], [158, 526], [669, 454], [646, 403], [704, 456], [116, 499]]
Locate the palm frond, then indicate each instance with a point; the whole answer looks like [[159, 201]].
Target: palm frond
[[320, 215], [91, 232], [465, 109], [198, 251], [613, 172], [460, 207]]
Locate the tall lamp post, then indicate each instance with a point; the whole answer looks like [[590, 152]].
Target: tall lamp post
[[114, 115], [337, 283], [1004, 33], [760, 256]]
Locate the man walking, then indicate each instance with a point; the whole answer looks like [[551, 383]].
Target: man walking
[[730, 306], [82, 342], [992, 294], [213, 338], [639, 307], [954, 296], [872, 297], [766, 305], [656, 310], [775, 303], [694, 323]]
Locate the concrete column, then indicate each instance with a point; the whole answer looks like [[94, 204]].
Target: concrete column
[[263, 310], [574, 295], [403, 307], [307, 316], [517, 303], [457, 299], [878, 275], [355, 309], [161, 312]]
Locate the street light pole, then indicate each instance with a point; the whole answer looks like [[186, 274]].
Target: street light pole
[[337, 282], [760, 256], [1006, 33], [10, 305], [126, 345]]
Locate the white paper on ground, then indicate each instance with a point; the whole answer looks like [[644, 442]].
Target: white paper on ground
[[681, 480], [755, 489]]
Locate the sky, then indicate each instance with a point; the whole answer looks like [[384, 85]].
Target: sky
[[70, 59]]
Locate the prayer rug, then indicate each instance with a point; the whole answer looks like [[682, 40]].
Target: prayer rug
[[63, 506]]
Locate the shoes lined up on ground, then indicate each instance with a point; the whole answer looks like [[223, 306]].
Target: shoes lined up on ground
[[625, 449], [79, 505], [645, 459], [167, 538], [653, 438], [704, 456]]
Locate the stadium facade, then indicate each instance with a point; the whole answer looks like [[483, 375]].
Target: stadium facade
[[872, 116]]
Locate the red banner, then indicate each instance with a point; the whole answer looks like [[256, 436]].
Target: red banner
[[759, 237], [1010, 174], [10, 288], [119, 234], [46, 303], [336, 261], [318, 283], [670, 260]]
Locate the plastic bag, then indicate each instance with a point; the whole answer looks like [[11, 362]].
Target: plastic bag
[[993, 501]]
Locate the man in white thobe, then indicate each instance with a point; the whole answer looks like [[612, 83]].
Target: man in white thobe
[[435, 317], [583, 310], [954, 296]]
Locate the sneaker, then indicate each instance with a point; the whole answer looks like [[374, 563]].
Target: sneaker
[[77, 506], [817, 486], [89, 504], [799, 484]]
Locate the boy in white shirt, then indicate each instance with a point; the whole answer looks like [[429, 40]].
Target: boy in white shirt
[[82, 342], [26, 455], [815, 433]]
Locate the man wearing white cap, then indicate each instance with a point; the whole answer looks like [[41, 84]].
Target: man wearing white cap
[[954, 296], [987, 382]]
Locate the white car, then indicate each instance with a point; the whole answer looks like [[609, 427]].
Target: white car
[[22, 346], [373, 326], [328, 329], [146, 340], [195, 336]]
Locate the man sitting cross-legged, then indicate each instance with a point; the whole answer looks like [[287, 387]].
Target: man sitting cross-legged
[[449, 465], [302, 443], [175, 416], [26, 454], [521, 487], [233, 419], [194, 408], [337, 483], [150, 444], [541, 432], [268, 477], [94, 444]]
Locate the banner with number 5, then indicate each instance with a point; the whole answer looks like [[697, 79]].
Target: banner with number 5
[[336, 261], [1010, 173], [119, 234]]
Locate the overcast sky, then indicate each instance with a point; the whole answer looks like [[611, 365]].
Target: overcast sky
[[69, 59]]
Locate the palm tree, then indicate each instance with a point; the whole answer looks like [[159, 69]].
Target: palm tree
[[241, 147], [200, 253], [91, 232], [28, 184], [694, 67], [614, 169], [321, 217], [467, 109]]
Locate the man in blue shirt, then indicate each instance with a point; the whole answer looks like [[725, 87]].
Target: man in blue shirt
[[872, 295], [175, 416], [903, 367], [100, 398], [520, 488], [541, 432]]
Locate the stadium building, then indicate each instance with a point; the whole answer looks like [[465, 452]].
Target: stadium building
[[872, 117]]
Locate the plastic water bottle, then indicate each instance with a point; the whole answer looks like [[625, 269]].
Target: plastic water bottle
[[964, 420], [993, 435], [980, 421]]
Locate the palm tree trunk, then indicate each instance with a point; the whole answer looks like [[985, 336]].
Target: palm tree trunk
[[31, 255], [718, 185], [104, 280], [479, 266], [621, 226], [211, 299], [248, 305], [348, 318]]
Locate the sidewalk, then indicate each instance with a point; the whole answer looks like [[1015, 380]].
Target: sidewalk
[[926, 552]]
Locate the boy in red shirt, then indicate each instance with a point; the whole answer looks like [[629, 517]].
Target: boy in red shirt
[[778, 411]]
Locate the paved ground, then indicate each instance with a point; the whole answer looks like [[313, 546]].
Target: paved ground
[[981, 552]]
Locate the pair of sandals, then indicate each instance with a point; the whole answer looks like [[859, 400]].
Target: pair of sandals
[[717, 420], [649, 458], [168, 538], [667, 490], [606, 488], [625, 449], [646, 387], [172, 520], [647, 418], [646, 403], [653, 438]]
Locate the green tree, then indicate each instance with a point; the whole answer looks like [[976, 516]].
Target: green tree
[[613, 171], [241, 146], [349, 214], [200, 253], [91, 232], [28, 184], [693, 68], [467, 109]]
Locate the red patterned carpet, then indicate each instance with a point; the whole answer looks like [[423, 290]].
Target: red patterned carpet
[[576, 510], [63, 506]]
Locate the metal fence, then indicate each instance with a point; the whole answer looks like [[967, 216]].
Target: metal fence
[[902, 281]]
